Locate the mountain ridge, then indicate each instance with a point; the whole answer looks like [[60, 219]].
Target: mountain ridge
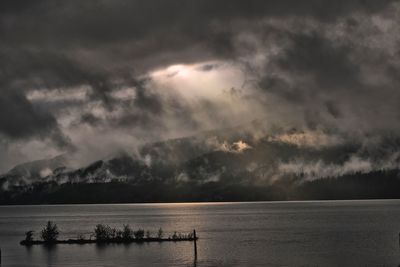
[[226, 164]]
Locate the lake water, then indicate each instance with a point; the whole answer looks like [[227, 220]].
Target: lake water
[[320, 233]]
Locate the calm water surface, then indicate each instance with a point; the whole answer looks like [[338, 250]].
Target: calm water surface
[[331, 233]]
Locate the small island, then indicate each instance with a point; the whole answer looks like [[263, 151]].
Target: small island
[[104, 234]]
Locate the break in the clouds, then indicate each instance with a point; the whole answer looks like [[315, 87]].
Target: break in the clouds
[[99, 76]]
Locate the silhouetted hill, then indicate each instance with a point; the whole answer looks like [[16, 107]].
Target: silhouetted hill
[[229, 165], [374, 185]]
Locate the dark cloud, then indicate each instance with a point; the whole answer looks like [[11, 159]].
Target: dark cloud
[[208, 67], [149, 27], [90, 119], [329, 63], [19, 120], [106, 46], [337, 76]]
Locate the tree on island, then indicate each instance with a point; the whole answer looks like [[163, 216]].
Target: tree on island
[[139, 234], [50, 232], [127, 232], [160, 233], [29, 236], [102, 232]]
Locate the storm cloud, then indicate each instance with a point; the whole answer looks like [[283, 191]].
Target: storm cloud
[[76, 74]]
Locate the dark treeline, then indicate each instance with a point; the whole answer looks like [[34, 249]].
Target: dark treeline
[[378, 184]]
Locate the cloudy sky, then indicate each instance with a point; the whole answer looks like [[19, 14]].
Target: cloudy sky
[[100, 76]]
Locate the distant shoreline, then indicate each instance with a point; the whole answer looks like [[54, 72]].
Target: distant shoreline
[[358, 186], [207, 202]]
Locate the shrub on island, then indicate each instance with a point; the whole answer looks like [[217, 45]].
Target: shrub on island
[[50, 232]]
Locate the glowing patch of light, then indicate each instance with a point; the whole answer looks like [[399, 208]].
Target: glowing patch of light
[[172, 71], [195, 81]]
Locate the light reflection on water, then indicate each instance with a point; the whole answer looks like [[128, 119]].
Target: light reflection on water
[[330, 233]]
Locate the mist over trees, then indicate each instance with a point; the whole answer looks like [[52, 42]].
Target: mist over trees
[[373, 185]]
